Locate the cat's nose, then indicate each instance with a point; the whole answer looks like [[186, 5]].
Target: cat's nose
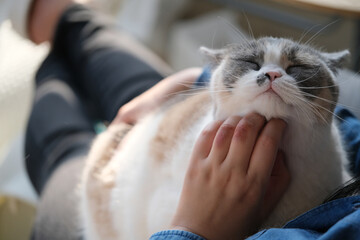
[[273, 75]]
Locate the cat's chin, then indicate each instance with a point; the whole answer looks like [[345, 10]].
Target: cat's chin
[[270, 106], [267, 104]]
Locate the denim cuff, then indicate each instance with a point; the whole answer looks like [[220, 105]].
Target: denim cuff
[[175, 235]]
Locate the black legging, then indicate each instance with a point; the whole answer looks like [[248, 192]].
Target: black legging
[[87, 76]]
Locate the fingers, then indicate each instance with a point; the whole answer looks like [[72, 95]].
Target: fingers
[[205, 140], [243, 141], [265, 150], [278, 183], [222, 141]]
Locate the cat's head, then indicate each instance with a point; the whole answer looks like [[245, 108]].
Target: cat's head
[[276, 78]]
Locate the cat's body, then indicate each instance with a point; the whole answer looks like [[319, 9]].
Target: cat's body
[[131, 190]]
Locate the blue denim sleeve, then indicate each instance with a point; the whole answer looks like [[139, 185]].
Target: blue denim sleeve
[[175, 235], [349, 127], [204, 78]]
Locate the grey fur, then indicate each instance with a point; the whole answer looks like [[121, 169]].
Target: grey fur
[[260, 80], [311, 69]]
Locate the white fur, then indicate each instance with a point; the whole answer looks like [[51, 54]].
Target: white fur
[[146, 193]]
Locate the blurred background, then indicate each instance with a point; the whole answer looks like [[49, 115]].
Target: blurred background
[[174, 30]]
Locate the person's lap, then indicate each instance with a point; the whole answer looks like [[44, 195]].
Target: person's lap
[[85, 65]]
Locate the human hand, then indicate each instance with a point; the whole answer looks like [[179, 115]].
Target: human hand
[[235, 178], [131, 112]]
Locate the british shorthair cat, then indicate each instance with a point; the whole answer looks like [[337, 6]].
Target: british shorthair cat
[[132, 183]]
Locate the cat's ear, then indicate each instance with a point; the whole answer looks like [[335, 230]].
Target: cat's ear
[[336, 60], [213, 57]]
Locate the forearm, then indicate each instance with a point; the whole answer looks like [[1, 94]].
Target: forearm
[[160, 93]]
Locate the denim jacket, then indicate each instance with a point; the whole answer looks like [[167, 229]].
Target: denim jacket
[[335, 220]]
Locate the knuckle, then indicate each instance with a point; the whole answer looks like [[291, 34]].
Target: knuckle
[[220, 180], [238, 188], [193, 169], [235, 118], [243, 130], [281, 123], [205, 171], [223, 134], [198, 172], [206, 133], [210, 129], [256, 185], [254, 181], [253, 194], [226, 128], [268, 142], [255, 118], [191, 173]]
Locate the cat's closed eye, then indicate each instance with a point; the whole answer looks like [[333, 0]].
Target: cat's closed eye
[[252, 65], [296, 70]]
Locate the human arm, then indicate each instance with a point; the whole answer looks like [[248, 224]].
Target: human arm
[[131, 112]]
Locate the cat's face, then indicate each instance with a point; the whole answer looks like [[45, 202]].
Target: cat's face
[[275, 77]]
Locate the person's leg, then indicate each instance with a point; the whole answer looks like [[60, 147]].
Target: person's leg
[[58, 138], [57, 216], [59, 132], [58, 123], [106, 69]]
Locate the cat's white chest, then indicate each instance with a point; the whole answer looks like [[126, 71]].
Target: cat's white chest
[[146, 191], [315, 158]]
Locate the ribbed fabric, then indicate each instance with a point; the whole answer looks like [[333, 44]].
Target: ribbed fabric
[[175, 235]]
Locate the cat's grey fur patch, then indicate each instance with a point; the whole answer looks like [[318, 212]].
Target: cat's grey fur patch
[[260, 79], [242, 59], [303, 63]]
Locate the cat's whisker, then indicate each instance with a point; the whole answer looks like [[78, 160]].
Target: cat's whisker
[[318, 32], [297, 113], [319, 114], [249, 25], [332, 102], [214, 35], [354, 76], [306, 108], [298, 96], [308, 105], [314, 110], [195, 91], [192, 86], [318, 69], [332, 113], [228, 72], [339, 83], [306, 32], [321, 87], [233, 28]]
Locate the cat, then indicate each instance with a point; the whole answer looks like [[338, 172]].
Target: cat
[[133, 176]]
